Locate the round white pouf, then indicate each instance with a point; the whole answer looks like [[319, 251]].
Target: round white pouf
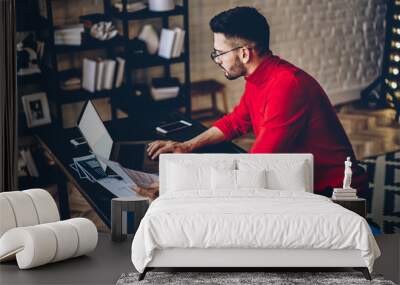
[[40, 244], [67, 240], [7, 218], [45, 205], [87, 234], [23, 208], [32, 246]]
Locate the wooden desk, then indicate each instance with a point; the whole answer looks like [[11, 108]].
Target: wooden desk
[[62, 151]]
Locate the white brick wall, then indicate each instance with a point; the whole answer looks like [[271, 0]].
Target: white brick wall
[[339, 42]]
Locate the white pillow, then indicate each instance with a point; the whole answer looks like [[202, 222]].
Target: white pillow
[[225, 179], [292, 179], [281, 174], [185, 175], [251, 178]]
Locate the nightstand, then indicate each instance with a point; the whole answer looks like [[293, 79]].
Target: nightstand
[[119, 208], [357, 205]]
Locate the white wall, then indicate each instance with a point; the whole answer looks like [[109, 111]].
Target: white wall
[[339, 42]]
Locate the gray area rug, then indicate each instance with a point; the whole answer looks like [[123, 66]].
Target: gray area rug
[[232, 278]]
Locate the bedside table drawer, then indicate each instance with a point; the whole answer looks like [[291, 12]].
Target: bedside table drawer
[[357, 206]]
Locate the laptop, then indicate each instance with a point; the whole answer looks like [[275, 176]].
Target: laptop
[[130, 154]]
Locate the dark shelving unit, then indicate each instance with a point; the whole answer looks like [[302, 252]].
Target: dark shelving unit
[[147, 14], [29, 79], [29, 21], [147, 61], [120, 98], [90, 44], [154, 60]]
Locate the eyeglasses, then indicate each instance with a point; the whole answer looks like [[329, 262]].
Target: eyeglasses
[[215, 53]]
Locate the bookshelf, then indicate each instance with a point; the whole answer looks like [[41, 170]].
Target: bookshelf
[[120, 98], [50, 78], [30, 23]]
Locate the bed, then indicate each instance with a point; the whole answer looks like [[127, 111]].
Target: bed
[[246, 211]]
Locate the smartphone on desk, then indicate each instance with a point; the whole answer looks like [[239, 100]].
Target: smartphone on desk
[[173, 127], [78, 141]]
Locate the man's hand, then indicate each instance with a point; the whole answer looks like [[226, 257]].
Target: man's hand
[[212, 136], [150, 192], [155, 148]]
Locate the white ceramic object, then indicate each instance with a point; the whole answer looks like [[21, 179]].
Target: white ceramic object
[[103, 31], [161, 5], [347, 174], [150, 37]]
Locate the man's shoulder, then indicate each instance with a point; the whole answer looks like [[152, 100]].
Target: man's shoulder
[[289, 75]]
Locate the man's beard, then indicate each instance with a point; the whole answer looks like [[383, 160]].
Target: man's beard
[[237, 70]]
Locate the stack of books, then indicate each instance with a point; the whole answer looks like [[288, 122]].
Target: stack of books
[[69, 35], [164, 88], [171, 43], [102, 74], [344, 194], [73, 83], [130, 7]]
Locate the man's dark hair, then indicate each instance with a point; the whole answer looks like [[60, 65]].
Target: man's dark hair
[[244, 23]]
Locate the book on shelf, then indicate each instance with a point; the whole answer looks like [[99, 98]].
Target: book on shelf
[[68, 41], [69, 35], [171, 43], [167, 39], [130, 7], [108, 73], [72, 83], [102, 74], [89, 75], [120, 72], [99, 75], [33, 68], [341, 190], [164, 88], [69, 29], [344, 194], [178, 43], [344, 198]]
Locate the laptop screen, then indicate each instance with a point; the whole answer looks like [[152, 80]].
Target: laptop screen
[[95, 133]]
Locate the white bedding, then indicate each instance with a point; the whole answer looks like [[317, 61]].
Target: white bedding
[[252, 218]]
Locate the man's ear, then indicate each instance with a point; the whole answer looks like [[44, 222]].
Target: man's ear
[[245, 55]]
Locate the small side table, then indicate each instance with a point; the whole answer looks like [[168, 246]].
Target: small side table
[[119, 209], [209, 87], [357, 205]]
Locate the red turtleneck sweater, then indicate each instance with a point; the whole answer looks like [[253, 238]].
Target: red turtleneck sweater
[[289, 112]]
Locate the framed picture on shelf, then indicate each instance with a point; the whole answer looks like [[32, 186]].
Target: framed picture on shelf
[[36, 108]]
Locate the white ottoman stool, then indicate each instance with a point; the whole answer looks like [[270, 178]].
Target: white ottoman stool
[[31, 232]]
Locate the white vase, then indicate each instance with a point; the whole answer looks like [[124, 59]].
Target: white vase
[[161, 5], [150, 37]]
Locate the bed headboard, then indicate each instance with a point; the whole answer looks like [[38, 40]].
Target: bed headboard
[[270, 160]]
